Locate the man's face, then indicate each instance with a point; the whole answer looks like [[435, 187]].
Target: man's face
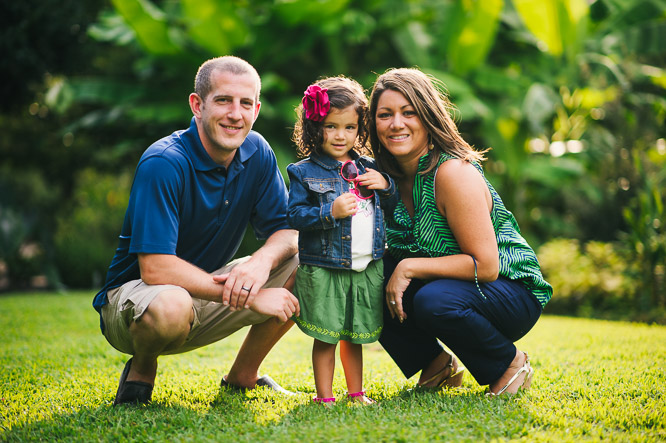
[[227, 113]]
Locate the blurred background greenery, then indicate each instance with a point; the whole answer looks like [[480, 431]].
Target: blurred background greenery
[[570, 94]]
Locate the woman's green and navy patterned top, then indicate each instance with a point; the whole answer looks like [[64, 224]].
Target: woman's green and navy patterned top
[[428, 234]]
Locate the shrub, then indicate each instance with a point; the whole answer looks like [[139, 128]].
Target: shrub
[[26, 205], [592, 279], [87, 235]]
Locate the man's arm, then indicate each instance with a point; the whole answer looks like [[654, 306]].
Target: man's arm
[[166, 269], [254, 273], [163, 269]]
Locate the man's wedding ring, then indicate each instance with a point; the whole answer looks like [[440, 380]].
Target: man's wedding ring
[[243, 288], [392, 302]]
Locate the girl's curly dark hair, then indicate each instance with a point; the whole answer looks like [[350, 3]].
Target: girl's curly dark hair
[[342, 93]]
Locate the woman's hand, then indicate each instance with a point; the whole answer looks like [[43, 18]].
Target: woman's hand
[[395, 288], [373, 180]]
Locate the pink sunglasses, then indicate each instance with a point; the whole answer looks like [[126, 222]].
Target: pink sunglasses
[[350, 173]]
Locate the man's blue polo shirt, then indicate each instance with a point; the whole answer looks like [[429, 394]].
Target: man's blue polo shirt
[[183, 203]]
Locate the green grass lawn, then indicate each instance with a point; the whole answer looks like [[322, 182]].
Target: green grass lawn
[[594, 380]]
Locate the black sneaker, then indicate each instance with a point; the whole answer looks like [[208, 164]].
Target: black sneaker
[[132, 392]]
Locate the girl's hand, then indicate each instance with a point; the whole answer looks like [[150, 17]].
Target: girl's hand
[[373, 180], [344, 206], [395, 288]]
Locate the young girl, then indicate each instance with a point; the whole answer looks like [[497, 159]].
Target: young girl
[[336, 202]]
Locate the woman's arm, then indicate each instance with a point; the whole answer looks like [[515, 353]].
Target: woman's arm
[[464, 199]]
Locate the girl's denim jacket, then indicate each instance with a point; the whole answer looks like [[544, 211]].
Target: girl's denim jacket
[[315, 183]]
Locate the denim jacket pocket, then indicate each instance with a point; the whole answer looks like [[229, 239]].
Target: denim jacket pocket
[[324, 189]]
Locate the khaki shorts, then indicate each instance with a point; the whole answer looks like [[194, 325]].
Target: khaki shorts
[[212, 321]]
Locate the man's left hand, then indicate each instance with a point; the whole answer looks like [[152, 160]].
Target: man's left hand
[[243, 282]]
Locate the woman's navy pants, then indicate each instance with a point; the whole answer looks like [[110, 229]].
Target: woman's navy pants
[[479, 330]]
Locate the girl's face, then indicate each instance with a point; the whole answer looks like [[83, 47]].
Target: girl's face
[[340, 131], [399, 127]]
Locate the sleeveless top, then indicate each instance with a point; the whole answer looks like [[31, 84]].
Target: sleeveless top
[[428, 234]]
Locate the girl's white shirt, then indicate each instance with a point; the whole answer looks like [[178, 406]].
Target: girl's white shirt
[[362, 234]]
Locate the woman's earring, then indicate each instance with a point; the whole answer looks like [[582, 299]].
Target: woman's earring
[[431, 147]]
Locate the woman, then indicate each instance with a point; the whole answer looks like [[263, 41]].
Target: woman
[[457, 267]]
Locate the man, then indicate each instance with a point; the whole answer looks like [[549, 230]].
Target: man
[[169, 288]]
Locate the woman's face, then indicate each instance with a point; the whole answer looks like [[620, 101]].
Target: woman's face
[[399, 127]]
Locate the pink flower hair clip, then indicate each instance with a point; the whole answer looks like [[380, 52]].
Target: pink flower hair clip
[[315, 103]]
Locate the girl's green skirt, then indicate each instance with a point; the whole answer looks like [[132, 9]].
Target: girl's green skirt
[[340, 304]]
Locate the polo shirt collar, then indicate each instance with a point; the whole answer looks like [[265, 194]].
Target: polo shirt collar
[[200, 158]]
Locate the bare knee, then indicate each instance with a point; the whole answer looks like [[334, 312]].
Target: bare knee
[[169, 315]]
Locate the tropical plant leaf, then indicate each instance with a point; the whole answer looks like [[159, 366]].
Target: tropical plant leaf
[[413, 42], [159, 113], [462, 95], [103, 91], [468, 47], [294, 12], [111, 27], [539, 105], [558, 24], [150, 25], [214, 25], [552, 172]]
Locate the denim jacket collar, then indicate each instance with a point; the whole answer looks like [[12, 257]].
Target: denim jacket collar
[[327, 162]]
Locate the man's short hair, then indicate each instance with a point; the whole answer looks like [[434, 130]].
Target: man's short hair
[[228, 63]]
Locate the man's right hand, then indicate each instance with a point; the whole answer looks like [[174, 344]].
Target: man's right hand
[[277, 302]]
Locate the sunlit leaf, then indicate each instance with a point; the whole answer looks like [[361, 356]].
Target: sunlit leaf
[[150, 25], [214, 25], [558, 25], [312, 11], [475, 35], [112, 28]]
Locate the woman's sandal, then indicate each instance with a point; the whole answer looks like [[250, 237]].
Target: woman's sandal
[[525, 385], [453, 380], [360, 397]]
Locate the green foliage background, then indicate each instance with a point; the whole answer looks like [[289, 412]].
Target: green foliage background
[[568, 93]]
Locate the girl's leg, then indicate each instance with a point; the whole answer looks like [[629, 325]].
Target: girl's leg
[[323, 365], [351, 356]]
